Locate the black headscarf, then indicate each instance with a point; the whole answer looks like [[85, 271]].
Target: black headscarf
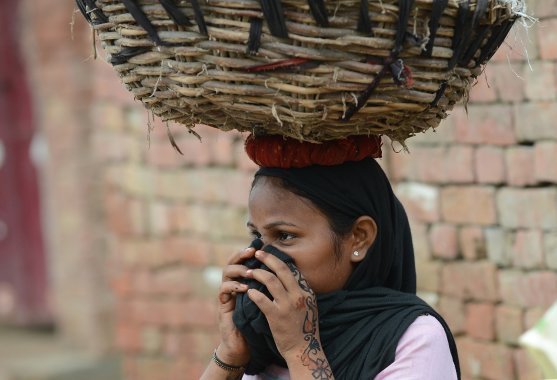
[[361, 324]]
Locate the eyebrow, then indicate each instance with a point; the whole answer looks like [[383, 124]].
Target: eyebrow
[[272, 225]]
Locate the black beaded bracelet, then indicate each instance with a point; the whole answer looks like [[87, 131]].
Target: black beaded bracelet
[[227, 367]]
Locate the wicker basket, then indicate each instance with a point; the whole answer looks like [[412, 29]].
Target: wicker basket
[[313, 70]]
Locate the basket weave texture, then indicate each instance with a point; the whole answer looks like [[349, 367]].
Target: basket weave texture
[[314, 70]]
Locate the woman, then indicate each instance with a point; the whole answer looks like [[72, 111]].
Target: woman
[[335, 290]]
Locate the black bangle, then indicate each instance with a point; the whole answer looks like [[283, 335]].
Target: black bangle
[[227, 367]]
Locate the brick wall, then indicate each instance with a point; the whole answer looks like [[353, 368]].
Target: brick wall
[[482, 201], [480, 193]]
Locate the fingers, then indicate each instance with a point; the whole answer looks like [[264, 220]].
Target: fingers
[[264, 304], [229, 288], [234, 269], [238, 257], [281, 270]]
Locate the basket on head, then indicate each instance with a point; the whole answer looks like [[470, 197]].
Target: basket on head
[[314, 70]]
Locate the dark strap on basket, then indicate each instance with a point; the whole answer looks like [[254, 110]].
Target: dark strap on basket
[[127, 53], [437, 9], [254, 40], [175, 13], [391, 64], [466, 45], [141, 18], [498, 35], [274, 15], [199, 18], [319, 12], [404, 8], [364, 23]]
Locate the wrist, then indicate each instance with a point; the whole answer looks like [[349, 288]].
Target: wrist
[[231, 356]]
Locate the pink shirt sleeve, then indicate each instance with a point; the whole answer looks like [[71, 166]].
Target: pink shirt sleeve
[[422, 353]]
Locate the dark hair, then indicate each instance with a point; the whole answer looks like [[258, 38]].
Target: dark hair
[[340, 223]]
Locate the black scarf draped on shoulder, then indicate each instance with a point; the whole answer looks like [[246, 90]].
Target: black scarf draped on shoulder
[[361, 324]]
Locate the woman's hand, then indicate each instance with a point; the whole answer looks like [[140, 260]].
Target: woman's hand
[[233, 348], [292, 316]]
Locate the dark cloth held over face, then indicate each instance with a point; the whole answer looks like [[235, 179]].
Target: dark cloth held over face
[[361, 324]]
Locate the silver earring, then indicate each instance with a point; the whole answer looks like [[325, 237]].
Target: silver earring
[[356, 253]]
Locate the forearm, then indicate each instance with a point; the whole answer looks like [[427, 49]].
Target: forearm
[[310, 363]]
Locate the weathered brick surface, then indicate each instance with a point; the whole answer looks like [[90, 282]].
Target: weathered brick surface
[[480, 320], [468, 205], [527, 208], [528, 289], [509, 322]]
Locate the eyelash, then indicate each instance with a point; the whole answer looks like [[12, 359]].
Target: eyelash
[[282, 236]]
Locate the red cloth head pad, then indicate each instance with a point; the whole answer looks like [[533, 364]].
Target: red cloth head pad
[[275, 151]]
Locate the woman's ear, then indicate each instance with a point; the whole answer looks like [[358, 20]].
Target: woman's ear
[[364, 233]]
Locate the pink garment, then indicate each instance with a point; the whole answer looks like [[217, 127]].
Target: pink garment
[[422, 353]]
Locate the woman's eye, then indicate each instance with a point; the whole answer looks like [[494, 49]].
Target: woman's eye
[[255, 234], [283, 236]]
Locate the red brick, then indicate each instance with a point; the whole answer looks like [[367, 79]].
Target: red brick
[[520, 165], [482, 90], [480, 320], [536, 120], [472, 243], [484, 124], [540, 81], [470, 280], [428, 164], [160, 153], [172, 281], [527, 249], [468, 204], [460, 164], [420, 240], [178, 218], [194, 251], [527, 208], [509, 323], [485, 359], [547, 35], [118, 215], [505, 77], [545, 153], [528, 289], [122, 283], [420, 201], [192, 313], [128, 337], [490, 165], [452, 310], [443, 241], [526, 367]]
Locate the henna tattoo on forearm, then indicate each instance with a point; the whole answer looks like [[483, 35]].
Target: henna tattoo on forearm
[[313, 356]]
